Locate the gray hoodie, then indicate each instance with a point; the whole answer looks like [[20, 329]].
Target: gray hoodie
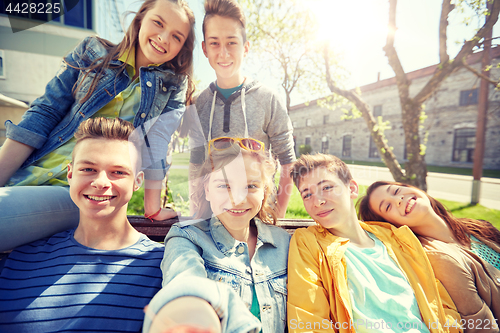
[[266, 119]]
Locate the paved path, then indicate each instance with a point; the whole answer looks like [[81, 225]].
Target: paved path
[[440, 185]]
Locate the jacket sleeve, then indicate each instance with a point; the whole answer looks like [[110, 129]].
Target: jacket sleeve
[[308, 305], [47, 111], [280, 132], [184, 274], [460, 284], [158, 133]]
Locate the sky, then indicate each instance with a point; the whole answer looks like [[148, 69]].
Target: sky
[[357, 30]]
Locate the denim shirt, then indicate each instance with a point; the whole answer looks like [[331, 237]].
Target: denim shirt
[[53, 118], [199, 254]]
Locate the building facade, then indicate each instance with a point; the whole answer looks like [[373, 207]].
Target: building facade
[[450, 126], [31, 57]]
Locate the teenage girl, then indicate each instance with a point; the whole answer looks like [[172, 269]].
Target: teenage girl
[[464, 253], [238, 246], [145, 79]]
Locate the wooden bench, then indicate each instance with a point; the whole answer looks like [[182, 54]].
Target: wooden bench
[[158, 229]]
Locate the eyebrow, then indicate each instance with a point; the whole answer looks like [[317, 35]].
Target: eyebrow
[[388, 191], [92, 163], [164, 22], [307, 189]]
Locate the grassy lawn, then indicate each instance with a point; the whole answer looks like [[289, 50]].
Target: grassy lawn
[[178, 185]]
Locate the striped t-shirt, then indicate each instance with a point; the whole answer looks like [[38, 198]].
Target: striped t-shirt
[[58, 285]]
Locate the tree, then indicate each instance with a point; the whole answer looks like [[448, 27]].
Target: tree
[[282, 38], [415, 172]]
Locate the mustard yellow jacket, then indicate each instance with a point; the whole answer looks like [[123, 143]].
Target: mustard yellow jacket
[[318, 298]]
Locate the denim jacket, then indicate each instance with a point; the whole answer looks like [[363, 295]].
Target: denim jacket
[[53, 118], [199, 254]]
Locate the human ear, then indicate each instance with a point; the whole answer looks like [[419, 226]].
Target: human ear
[[246, 48], [207, 192], [204, 48], [353, 189], [139, 179], [70, 173]]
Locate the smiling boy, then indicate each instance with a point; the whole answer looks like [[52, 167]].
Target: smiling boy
[[99, 276], [345, 275], [234, 105]]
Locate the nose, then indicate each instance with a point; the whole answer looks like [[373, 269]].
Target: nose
[[319, 201], [163, 37], [399, 200], [101, 181], [223, 52], [238, 196]]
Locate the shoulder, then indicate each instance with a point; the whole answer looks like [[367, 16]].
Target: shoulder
[[189, 229], [306, 236], [255, 87], [204, 97], [280, 236]]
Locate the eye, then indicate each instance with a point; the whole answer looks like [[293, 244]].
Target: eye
[[223, 186], [120, 173], [177, 38], [328, 187], [387, 207], [214, 43], [306, 196], [86, 169], [158, 23], [252, 186], [397, 190]]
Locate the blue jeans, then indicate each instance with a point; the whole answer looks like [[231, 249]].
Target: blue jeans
[[28, 213]]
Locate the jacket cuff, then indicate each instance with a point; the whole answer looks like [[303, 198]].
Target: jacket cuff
[[22, 135], [155, 174], [233, 313]]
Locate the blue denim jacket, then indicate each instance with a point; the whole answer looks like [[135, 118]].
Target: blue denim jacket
[[53, 118], [199, 254]]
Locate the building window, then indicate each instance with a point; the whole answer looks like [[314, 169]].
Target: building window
[[325, 119], [308, 122], [346, 146], [2, 64], [377, 110], [324, 145], [79, 15], [373, 148], [464, 142], [294, 124], [308, 141], [468, 97]]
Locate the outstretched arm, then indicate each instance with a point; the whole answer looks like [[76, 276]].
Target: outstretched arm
[[12, 156]]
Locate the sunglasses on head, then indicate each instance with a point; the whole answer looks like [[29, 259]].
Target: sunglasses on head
[[226, 142]]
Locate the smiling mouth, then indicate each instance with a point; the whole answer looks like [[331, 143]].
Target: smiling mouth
[[157, 47], [99, 198], [237, 211], [225, 64], [325, 213], [410, 204]]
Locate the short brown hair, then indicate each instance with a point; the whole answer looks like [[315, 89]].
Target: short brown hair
[[225, 8], [306, 163]]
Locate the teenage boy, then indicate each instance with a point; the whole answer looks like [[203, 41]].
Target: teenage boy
[[234, 105], [99, 276], [345, 275]]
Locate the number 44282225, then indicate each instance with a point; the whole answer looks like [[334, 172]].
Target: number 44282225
[[34, 8]]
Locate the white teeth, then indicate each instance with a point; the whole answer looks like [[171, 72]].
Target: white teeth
[[237, 211], [92, 197], [157, 47], [410, 205]]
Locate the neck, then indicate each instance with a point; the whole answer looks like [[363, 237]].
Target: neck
[[232, 82], [351, 229], [110, 233], [435, 227], [247, 235]]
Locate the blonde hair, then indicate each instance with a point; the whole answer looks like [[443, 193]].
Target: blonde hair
[[219, 159], [109, 129]]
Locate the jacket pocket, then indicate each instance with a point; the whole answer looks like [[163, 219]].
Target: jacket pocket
[[279, 292], [222, 276]]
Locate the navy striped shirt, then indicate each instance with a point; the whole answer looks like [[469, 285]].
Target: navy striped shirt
[[59, 285]]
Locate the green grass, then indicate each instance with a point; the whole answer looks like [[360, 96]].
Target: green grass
[[178, 186]]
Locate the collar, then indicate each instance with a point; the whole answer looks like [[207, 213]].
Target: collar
[[128, 57], [227, 244]]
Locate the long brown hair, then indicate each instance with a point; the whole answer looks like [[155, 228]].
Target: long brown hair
[[182, 64], [219, 159], [462, 228]]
